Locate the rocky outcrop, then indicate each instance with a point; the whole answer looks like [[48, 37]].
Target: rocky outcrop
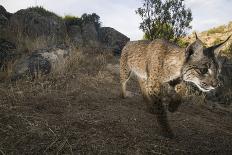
[[90, 35], [41, 62], [32, 24], [74, 32], [4, 18], [8, 53], [31, 40], [113, 39]]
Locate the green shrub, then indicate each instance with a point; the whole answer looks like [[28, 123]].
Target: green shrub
[[42, 11], [72, 20], [83, 20], [91, 18], [217, 41], [219, 29], [182, 43]]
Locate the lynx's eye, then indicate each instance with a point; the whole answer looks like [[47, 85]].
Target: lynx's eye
[[203, 70]]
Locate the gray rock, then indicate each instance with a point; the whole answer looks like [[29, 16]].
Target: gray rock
[[74, 32], [90, 35], [41, 62], [113, 39], [4, 12], [8, 53], [36, 22]]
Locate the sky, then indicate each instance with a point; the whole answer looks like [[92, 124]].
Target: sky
[[120, 14]]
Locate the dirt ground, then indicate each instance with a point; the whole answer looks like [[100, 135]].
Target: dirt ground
[[81, 112]]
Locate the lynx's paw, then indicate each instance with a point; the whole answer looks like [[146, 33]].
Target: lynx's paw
[[128, 94]]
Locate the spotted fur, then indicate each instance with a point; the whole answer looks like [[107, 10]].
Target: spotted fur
[[160, 65]]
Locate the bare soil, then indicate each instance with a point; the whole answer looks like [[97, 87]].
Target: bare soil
[[81, 112]]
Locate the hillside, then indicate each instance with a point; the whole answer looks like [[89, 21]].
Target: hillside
[[214, 36]]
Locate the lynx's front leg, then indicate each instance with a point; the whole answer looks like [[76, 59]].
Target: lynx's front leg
[[170, 96], [154, 99]]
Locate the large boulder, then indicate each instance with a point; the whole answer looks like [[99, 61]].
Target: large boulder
[[4, 12], [8, 54], [28, 25], [90, 34], [113, 39], [41, 62], [4, 18], [74, 32]]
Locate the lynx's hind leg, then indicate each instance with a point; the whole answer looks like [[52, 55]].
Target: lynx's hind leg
[[143, 87], [125, 73]]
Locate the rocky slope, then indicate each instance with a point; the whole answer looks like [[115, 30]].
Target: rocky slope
[[34, 29], [214, 35]]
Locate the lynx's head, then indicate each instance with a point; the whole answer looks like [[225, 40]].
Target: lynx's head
[[201, 65]]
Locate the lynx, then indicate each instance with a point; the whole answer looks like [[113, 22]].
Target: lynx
[[160, 65]]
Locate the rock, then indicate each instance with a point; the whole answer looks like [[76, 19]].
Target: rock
[[41, 62], [90, 35], [32, 24], [3, 12], [7, 53], [74, 32], [4, 18], [113, 39]]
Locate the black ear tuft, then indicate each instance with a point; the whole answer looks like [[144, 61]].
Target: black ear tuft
[[196, 36]]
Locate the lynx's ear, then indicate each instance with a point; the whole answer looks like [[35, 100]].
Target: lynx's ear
[[194, 50], [216, 48]]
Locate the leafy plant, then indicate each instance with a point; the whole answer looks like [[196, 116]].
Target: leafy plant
[[91, 18], [167, 19], [42, 11], [72, 20], [219, 29]]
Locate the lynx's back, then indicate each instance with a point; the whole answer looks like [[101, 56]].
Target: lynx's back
[[142, 56]]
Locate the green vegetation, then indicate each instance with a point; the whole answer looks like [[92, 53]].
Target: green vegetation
[[182, 43], [84, 19], [164, 19], [91, 18], [219, 29], [217, 41], [42, 11], [72, 20]]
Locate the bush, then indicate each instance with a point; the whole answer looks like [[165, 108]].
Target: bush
[[217, 41], [72, 20], [40, 10], [219, 29], [85, 18], [182, 43], [91, 18]]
